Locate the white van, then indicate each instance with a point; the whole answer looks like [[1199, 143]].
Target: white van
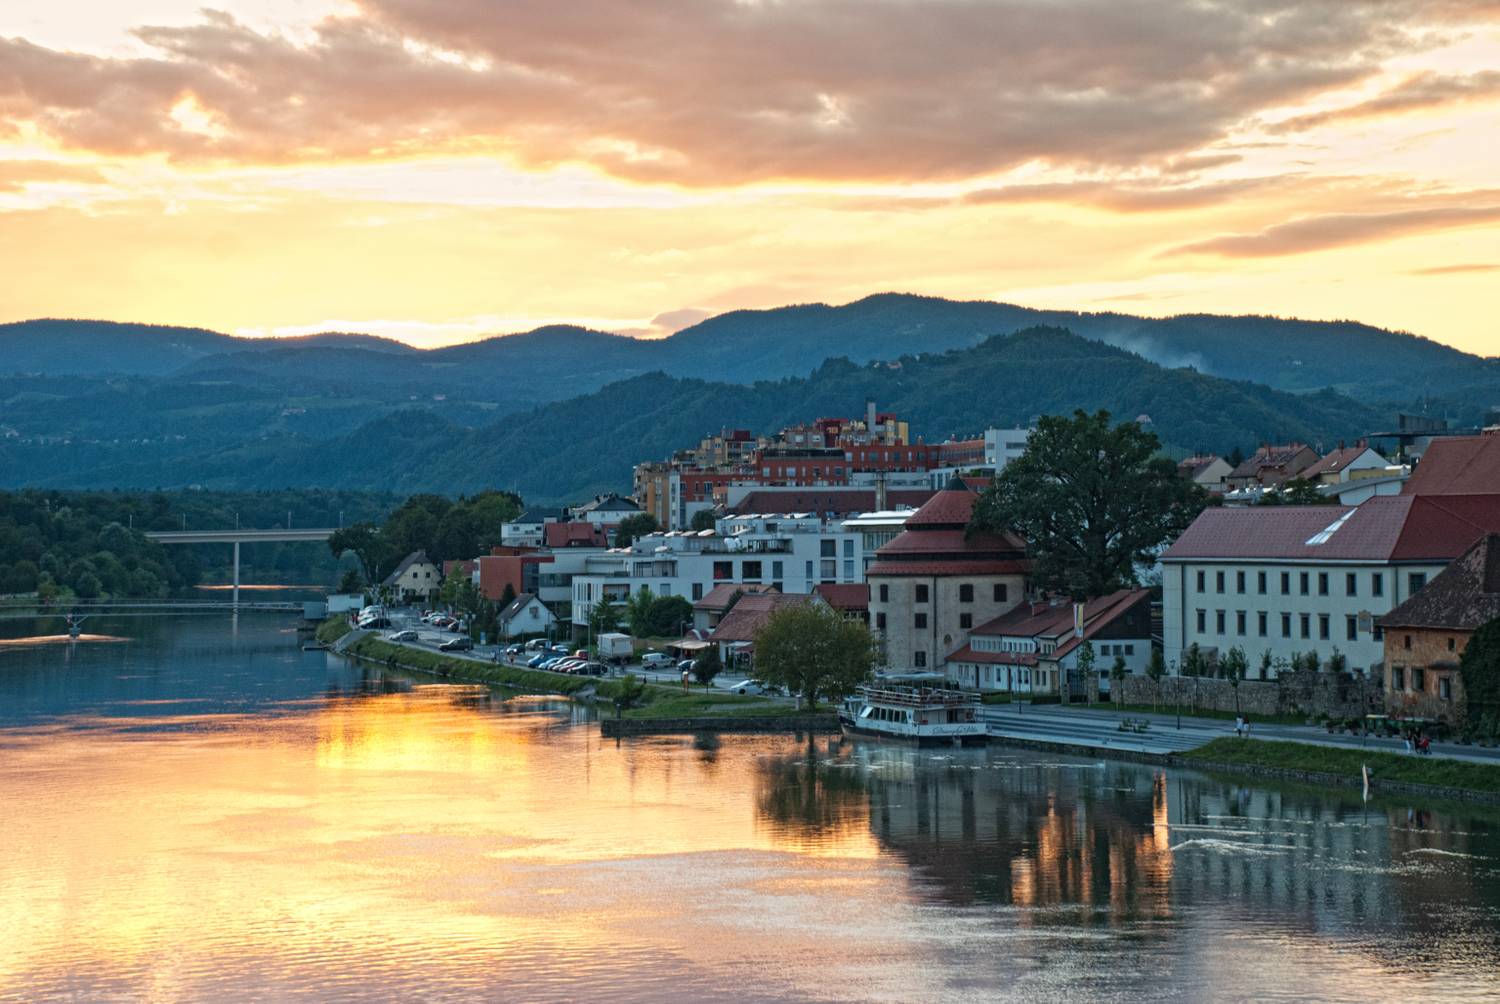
[[536, 644], [656, 660]]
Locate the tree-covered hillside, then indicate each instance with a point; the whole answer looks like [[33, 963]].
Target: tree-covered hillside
[[574, 448]]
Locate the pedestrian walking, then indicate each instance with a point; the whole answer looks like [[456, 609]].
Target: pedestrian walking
[[1239, 726], [1245, 724]]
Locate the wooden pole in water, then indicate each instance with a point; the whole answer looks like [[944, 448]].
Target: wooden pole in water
[[236, 575]]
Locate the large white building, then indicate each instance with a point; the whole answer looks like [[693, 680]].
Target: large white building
[[1294, 579], [792, 552]]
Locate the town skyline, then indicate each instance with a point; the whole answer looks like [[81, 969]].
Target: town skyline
[[441, 173]]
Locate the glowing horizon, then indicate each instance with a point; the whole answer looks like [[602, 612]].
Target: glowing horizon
[[440, 172]]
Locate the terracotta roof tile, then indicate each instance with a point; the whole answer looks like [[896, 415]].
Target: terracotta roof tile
[[1458, 465], [718, 597], [845, 596], [1464, 596]]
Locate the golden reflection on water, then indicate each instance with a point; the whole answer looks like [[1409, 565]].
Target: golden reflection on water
[[436, 840], [34, 641], [360, 825]]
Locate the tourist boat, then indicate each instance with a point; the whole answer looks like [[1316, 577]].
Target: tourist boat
[[925, 716]]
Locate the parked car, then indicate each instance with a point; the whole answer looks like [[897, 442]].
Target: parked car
[[376, 623], [757, 687], [462, 643], [581, 653], [593, 669], [407, 635], [550, 663], [535, 645], [571, 665], [561, 649], [686, 665], [536, 661], [655, 660]]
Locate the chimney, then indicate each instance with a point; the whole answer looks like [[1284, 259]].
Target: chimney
[[870, 419]]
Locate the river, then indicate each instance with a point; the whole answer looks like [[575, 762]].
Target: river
[[200, 811]]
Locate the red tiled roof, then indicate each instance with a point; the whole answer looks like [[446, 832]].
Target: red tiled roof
[[967, 654], [1335, 461], [574, 534], [982, 566], [719, 596], [1458, 465], [845, 596], [1056, 621], [821, 501], [1464, 596], [751, 612], [1384, 528], [1444, 526], [1268, 457], [950, 507]]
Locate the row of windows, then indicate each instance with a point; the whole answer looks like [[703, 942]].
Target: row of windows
[[1419, 682], [1415, 581], [922, 594], [1304, 624], [1119, 649]]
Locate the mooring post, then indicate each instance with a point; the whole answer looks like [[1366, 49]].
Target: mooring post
[[236, 576]]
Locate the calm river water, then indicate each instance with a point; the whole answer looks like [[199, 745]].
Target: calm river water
[[199, 813]]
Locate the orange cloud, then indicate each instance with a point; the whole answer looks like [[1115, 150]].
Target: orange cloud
[[718, 92]]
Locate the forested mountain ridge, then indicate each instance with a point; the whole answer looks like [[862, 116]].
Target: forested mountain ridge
[[743, 346], [574, 448]]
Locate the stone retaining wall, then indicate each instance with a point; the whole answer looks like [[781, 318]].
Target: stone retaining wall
[[616, 727], [1339, 695]]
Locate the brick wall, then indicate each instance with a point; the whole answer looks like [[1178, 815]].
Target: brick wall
[[1429, 652]]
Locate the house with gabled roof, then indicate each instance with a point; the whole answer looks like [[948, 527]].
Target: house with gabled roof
[[1272, 465], [735, 634], [1345, 464], [525, 615], [708, 611], [1034, 648], [416, 580], [1425, 636]]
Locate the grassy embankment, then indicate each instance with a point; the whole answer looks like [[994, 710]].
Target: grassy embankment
[[1346, 763], [332, 630], [655, 701]]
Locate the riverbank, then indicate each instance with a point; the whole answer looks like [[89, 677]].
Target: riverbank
[[655, 709], [1396, 773], [1390, 775]]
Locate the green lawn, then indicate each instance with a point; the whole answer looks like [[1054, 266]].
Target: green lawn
[[701, 705], [1346, 762]]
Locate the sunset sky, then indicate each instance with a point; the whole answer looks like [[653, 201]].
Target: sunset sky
[[439, 170]]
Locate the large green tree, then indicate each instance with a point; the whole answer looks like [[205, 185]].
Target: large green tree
[[367, 543], [633, 526], [1479, 667], [1092, 499], [812, 650]]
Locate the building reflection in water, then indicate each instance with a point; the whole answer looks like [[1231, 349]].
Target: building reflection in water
[[1081, 843]]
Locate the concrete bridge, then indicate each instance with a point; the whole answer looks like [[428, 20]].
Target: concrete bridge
[[236, 538]]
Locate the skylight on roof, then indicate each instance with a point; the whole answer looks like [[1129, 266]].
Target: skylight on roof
[[1326, 534]]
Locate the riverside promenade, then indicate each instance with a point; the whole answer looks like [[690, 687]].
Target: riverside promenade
[[1100, 729]]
